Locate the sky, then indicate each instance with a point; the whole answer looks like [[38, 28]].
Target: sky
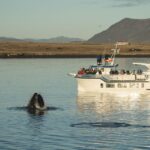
[[71, 18]]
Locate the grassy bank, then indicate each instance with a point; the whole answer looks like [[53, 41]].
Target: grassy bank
[[48, 50]]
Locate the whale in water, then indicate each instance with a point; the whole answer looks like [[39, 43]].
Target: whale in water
[[36, 105]]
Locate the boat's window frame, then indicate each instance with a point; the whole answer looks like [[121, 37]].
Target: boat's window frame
[[110, 85], [142, 85], [137, 85], [132, 85], [122, 85], [102, 85]]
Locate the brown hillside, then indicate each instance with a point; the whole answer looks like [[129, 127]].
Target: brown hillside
[[131, 30]]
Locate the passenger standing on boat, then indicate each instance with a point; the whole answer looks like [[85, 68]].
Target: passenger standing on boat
[[108, 59], [99, 60]]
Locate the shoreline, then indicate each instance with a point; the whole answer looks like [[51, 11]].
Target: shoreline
[[67, 56], [69, 50]]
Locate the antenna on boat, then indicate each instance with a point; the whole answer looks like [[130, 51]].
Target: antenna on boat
[[116, 50]]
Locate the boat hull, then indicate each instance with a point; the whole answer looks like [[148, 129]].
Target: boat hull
[[98, 85]]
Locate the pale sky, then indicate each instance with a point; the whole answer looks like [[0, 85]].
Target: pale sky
[[71, 18]]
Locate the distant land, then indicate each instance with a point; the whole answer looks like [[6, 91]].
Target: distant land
[[134, 32], [126, 30], [129, 30], [59, 39], [68, 50]]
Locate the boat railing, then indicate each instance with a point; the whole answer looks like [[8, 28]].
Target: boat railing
[[116, 75], [125, 77]]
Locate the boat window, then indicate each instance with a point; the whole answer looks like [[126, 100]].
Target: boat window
[[132, 85], [137, 85], [147, 76], [119, 85], [101, 85], [122, 85], [142, 85], [108, 85]]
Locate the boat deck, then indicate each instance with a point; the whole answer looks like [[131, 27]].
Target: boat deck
[[116, 78]]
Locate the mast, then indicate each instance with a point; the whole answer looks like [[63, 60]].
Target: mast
[[116, 50]]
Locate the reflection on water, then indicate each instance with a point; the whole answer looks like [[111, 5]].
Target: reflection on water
[[120, 121], [105, 103], [35, 130], [35, 123]]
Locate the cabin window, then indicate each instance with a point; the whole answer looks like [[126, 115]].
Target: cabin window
[[108, 85], [119, 85], [132, 85], [146, 76], [122, 85], [137, 85], [101, 85]]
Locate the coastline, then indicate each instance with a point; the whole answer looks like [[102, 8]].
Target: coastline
[[67, 56], [69, 50]]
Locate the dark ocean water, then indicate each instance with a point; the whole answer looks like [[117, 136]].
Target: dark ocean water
[[83, 122]]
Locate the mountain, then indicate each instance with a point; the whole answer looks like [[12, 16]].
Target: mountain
[[131, 30], [60, 39], [9, 39]]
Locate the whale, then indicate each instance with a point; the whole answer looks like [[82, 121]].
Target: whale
[[36, 105]]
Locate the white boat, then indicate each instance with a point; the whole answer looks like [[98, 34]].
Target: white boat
[[105, 77]]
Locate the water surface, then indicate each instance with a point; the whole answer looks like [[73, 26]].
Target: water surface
[[87, 121]]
